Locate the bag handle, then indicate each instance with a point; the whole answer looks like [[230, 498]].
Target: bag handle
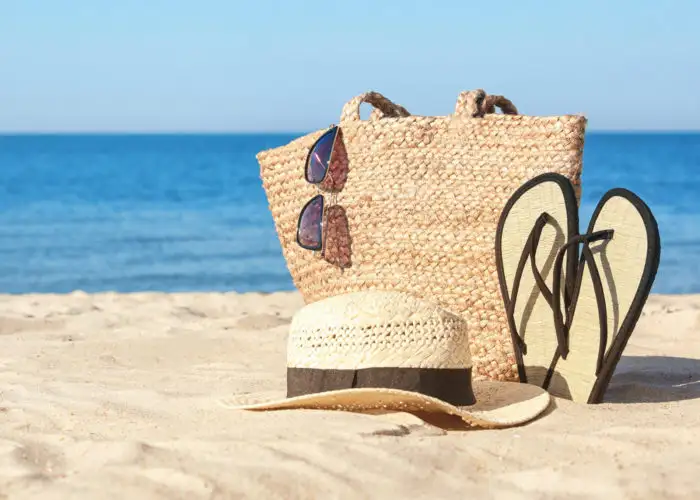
[[477, 103], [383, 107]]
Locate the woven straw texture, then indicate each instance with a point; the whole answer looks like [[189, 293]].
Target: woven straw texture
[[421, 197], [377, 329]]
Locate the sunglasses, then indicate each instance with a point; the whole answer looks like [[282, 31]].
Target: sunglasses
[[310, 226]]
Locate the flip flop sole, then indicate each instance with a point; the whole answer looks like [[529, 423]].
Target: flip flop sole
[[533, 319], [627, 265]]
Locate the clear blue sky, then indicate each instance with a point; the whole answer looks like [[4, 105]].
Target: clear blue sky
[[261, 65]]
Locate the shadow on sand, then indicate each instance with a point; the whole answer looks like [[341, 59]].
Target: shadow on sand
[[654, 379]]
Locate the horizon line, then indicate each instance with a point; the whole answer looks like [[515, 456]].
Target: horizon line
[[284, 132]]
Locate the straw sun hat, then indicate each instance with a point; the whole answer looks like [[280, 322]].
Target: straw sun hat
[[388, 351]]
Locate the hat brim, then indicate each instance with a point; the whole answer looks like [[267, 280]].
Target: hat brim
[[498, 404]]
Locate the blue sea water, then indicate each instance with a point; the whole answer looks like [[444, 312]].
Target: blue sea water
[[188, 212]]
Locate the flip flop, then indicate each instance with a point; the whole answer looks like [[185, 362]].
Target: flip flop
[[617, 266], [538, 219]]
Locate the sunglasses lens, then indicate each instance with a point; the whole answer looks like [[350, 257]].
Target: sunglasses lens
[[320, 157], [309, 231]]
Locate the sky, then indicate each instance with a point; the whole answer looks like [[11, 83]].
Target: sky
[[267, 66]]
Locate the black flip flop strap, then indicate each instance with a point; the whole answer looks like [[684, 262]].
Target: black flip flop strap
[[562, 327], [600, 301], [529, 250], [539, 226]]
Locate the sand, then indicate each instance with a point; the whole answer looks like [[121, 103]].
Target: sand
[[118, 396]]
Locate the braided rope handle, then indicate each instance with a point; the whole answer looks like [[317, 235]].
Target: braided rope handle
[[477, 103], [383, 107]]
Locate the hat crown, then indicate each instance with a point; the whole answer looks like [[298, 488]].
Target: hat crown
[[377, 329]]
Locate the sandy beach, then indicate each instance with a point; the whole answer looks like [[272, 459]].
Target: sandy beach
[[119, 396]]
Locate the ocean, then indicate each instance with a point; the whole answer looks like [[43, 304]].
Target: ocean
[[188, 213]]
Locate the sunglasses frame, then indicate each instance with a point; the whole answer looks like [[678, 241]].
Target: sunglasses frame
[[330, 156], [322, 244]]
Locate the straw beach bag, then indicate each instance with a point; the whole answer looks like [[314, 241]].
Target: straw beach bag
[[413, 203]]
